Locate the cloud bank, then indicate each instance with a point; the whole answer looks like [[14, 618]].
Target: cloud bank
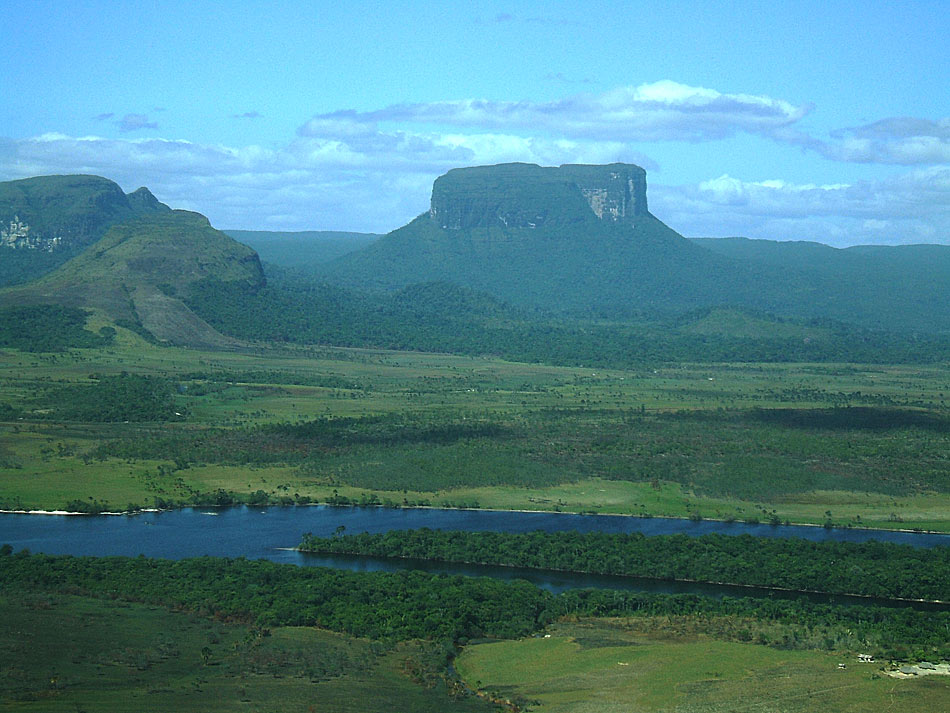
[[898, 140], [912, 207], [373, 170]]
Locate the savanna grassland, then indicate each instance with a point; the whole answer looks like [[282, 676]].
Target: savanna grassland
[[137, 425], [680, 664], [131, 424]]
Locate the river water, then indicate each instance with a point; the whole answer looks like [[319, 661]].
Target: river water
[[271, 533]]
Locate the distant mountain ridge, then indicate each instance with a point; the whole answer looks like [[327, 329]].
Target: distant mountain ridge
[[580, 240], [301, 249]]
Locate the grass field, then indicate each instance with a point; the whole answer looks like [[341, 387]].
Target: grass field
[[66, 653], [606, 666], [851, 444]]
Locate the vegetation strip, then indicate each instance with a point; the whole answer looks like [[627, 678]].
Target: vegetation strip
[[870, 569], [413, 605]]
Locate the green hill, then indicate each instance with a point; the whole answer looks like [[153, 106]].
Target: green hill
[[133, 258], [47, 220], [139, 270]]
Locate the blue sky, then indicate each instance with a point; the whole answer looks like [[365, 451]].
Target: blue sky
[[825, 121]]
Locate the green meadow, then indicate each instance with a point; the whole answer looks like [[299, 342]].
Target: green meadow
[[139, 425], [667, 665]]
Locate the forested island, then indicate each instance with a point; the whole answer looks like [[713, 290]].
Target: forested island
[[871, 569]]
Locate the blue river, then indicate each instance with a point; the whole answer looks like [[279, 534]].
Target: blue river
[[272, 533]]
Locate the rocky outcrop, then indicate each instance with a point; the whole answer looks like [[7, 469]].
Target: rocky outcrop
[[17, 236], [66, 213], [518, 195], [142, 201], [616, 192]]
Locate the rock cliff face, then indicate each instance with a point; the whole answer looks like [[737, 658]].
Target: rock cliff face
[[17, 235], [518, 195], [63, 213], [616, 192]]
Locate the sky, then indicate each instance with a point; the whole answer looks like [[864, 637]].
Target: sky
[[825, 121]]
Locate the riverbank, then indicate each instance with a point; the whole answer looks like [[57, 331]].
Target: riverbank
[[374, 503], [75, 512]]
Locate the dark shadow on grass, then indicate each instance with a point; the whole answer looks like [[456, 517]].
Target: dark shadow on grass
[[863, 418], [838, 418]]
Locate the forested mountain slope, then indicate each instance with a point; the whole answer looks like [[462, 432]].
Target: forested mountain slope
[[580, 240], [903, 287]]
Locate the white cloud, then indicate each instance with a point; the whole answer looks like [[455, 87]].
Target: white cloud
[[664, 110], [376, 185], [373, 180], [727, 190], [338, 174], [373, 170], [903, 141], [913, 207]]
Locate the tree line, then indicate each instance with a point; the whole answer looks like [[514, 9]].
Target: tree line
[[440, 317], [109, 399], [743, 453], [873, 569], [414, 605]]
